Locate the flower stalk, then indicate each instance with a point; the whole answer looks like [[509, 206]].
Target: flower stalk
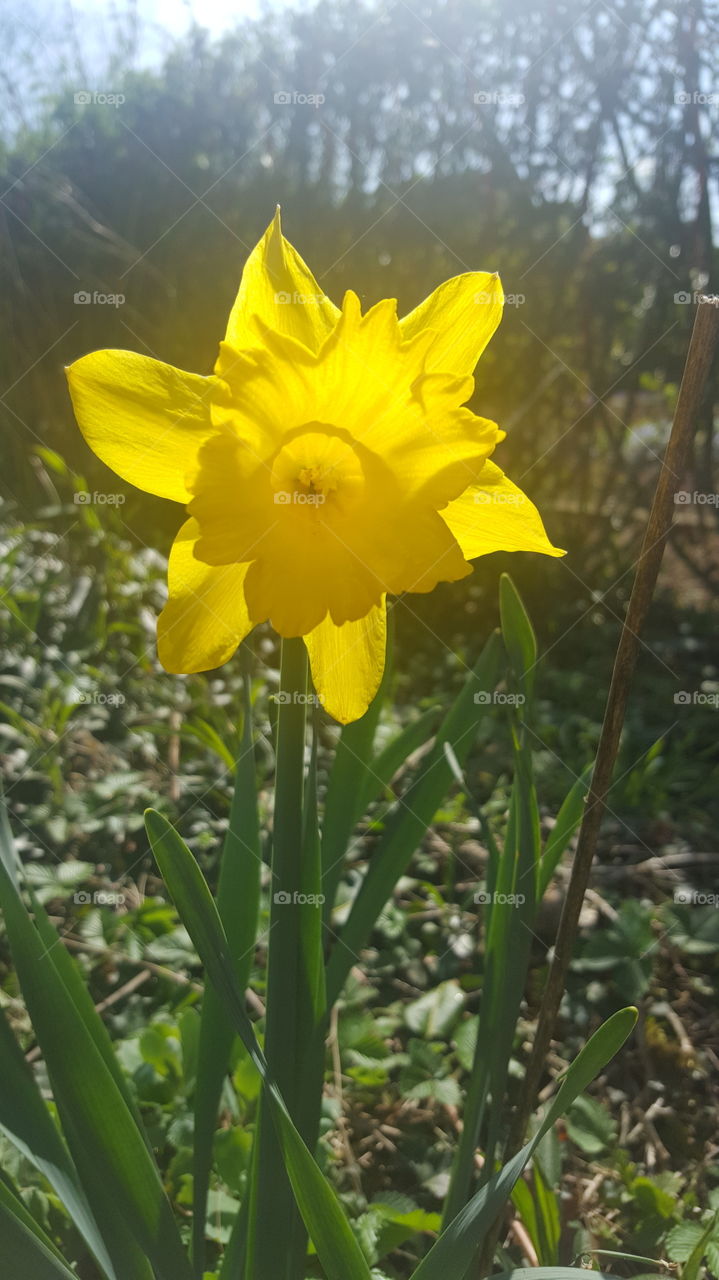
[[283, 1033]]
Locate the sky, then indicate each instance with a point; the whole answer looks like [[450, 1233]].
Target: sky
[[50, 24]]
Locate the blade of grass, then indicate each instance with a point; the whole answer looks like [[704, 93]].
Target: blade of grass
[[549, 1223], [323, 1216], [568, 819], [519, 638], [26, 1251], [507, 953], [25, 1119]]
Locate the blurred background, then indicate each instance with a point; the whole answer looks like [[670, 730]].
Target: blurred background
[[571, 147]]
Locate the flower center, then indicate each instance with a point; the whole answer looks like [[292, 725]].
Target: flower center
[[317, 468]]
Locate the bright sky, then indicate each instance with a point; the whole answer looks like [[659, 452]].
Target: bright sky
[[91, 24]]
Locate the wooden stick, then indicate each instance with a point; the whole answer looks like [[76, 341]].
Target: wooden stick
[[702, 347]]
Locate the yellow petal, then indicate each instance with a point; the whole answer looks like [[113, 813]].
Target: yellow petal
[[205, 616], [371, 382], [278, 288], [463, 313], [145, 419], [494, 515], [347, 663]]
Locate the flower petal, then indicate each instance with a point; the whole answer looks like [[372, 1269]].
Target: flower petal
[[279, 288], [494, 515], [464, 313], [145, 419], [205, 617], [347, 663]]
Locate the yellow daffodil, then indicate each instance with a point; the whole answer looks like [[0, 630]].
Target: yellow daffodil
[[327, 462]]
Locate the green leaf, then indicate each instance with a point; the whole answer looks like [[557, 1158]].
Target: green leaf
[[26, 1120], [682, 1240], [518, 635], [435, 1013], [108, 1149], [386, 763], [568, 819], [347, 788], [26, 1250], [590, 1126], [693, 1266], [455, 1249], [325, 1221], [238, 896], [412, 816], [509, 925], [549, 1220]]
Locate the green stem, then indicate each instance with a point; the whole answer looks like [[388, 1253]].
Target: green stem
[[238, 895], [274, 1207]]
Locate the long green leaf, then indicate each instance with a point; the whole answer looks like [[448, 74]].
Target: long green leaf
[[25, 1250], [413, 814], [25, 1119], [385, 763], [510, 917], [71, 978], [508, 962], [568, 819], [518, 635], [456, 1247], [238, 896], [100, 1128], [120, 1244], [326, 1223]]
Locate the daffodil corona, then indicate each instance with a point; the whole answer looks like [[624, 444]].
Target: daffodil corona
[[327, 462]]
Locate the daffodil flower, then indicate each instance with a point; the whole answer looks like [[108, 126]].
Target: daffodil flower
[[327, 462]]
